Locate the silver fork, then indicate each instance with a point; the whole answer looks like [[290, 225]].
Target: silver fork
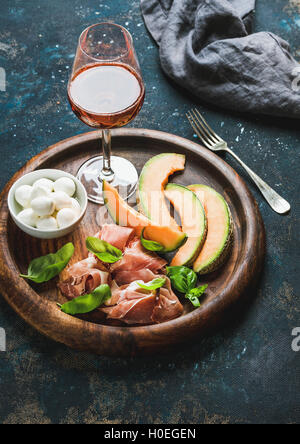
[[213, 142]]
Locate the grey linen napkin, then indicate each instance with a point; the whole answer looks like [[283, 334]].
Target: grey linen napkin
[[206, 46]]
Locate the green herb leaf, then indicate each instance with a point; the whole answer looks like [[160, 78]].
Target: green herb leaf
[[153, 285], [103, 250], [151, 245], [47, 267], [183, 279], [195, 293], [88, 302]]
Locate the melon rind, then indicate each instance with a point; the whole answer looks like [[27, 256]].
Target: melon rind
[[181, 196], [221, 255], [175, 162]]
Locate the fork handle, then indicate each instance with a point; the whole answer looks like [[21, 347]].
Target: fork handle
[[276, 202]]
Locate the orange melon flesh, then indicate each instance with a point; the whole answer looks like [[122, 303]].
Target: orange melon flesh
[[166, 236], [219, 229], [153, 179], [193, 221], [126, 216]]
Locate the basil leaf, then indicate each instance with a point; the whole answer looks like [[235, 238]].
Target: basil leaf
[[47, 267], [88, 302], [103, 250], [194, 294], [194, 300], [151, 245], [183, 279], [153, 285]]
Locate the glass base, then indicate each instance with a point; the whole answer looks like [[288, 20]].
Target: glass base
[[125, 178]]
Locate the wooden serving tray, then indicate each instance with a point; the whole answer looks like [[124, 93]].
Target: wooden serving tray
[[37, 303]]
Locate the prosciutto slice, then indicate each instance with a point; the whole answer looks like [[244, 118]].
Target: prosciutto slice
[[85, 277], [168, 306], [126, 277], [137, 263], [135, 311], [117, 236], [134, 260], [132, 305], [129, 303]]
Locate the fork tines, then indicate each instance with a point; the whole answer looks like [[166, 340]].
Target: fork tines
[[202, 129]]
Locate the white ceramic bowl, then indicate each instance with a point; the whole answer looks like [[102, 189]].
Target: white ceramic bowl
[[29, 179]]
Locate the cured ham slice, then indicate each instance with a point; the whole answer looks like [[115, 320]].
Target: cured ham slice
[[129, 303], [117, 236], [85, 277], [132, 305], [125, 292], [135, 258], [134, 311], [89, 263], [168, 306], [126, 277]]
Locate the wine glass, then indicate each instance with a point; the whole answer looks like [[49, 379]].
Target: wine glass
[[106, 91]]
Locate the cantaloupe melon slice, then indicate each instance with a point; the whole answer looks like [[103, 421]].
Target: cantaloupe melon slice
[[219, 230], [153, 179], [193, 221], [127, 216]]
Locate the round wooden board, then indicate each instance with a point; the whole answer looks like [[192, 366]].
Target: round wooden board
[[37, 304]]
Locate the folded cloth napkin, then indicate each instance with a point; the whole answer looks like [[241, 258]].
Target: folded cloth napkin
[[206, 46]]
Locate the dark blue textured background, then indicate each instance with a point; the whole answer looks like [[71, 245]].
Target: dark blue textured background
[[247, 372]]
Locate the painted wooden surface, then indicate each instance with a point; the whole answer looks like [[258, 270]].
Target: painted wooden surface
[[246, 372]]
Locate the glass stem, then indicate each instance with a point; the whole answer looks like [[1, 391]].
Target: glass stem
[[106, 173]]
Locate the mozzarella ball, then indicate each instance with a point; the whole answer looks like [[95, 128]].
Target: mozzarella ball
[[46, 183], [39, 191], [47, 223], [76, 207], [66, 217], [43, 206], [66, 185], [28, 217], [61, 200], [23, 195]]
